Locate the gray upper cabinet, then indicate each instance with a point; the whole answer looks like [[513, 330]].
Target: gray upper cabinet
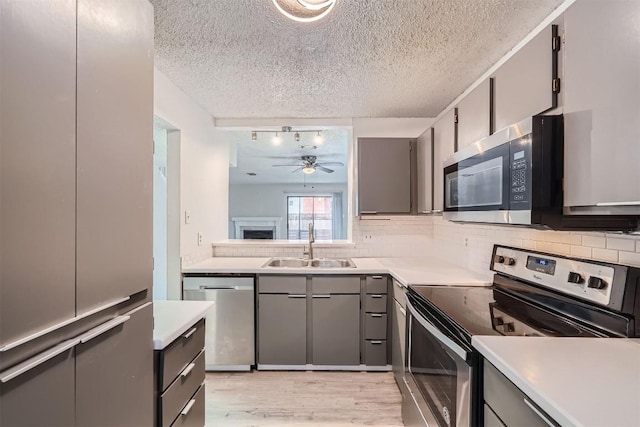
[[601, 89], [523, 86], [114, 151], [425, 171], [444, 137], [474, 115], [37, 177], [385, 170]]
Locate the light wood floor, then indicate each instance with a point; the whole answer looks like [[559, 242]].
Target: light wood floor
[[264, 398]]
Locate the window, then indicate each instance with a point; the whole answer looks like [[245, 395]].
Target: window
[[303, 210]]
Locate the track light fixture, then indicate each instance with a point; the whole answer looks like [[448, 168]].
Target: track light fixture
[[277, 138]]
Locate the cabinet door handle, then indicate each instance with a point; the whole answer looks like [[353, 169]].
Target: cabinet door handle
[[376, 342], [187, 408], [37, 360], [187, 370], [103, 307], [538, 413], [376, 277], [376, 296], [368, 212], [376, 315], [188, 334], [321, 296], [398, 284], [103, 328], [296, 296]]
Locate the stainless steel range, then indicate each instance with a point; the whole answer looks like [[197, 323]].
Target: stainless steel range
[[533, 294]]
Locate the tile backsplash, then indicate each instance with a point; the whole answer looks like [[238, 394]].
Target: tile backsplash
[[467, 245]]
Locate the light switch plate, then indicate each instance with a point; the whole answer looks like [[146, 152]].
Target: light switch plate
[[187, 217], [200, 239]]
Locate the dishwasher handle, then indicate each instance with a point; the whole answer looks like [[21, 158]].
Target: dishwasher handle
[[226, 288]]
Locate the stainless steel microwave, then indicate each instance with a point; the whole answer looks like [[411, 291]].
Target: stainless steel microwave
[[515, 177], [511, 177]]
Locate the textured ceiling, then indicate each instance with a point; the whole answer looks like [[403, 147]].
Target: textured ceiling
[[367, 58], [260, 156]]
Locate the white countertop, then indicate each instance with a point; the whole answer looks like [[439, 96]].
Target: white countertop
[[408, 271], [577, 381], [173, 318]]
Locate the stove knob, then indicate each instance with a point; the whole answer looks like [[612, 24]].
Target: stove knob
[[596, 283], [510, 261], [498, 259], [575, 278], [509, 327]]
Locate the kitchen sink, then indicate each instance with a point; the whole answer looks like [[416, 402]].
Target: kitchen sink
[[332, 263], [314, 263]]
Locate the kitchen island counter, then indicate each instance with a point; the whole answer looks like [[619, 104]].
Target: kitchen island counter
[[576, 381], [173, 318]]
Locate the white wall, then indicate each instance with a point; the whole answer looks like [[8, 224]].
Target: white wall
[[204, 169], [270, 200], [159, 213]]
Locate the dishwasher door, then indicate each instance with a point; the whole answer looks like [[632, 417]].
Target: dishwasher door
[[230, 325]]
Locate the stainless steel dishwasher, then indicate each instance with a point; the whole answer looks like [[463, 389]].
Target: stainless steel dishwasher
[[230, 326]]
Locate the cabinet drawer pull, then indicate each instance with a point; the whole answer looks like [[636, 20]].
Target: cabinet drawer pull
[[376, 315], [188, 334], [188, 370], [398, 284], [368, 212], [104, 307], [37, 360], [296, 296], [377, 277], [321, 296], [103, 328], [538, 413], [376, 296], [187, 408], [376, 342]]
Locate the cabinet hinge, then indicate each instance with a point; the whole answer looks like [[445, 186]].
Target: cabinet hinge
[[455, 118], [555, 85], [555, 43]]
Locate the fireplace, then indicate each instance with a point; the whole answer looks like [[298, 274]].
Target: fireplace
[[258, 234], [256, 227]]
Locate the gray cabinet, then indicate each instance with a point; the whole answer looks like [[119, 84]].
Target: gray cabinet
[[114, 151], [601, 89], [424, 149], [399, 335], [376, 321], [114, 374], [282, 320], [444, 140], [506, 402], [43, 396], [335, 320], [524, 85], [179, 379], [37, 166], [475, 115], [386, 176]]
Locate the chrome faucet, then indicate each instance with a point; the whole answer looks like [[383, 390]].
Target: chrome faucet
[[312, 239]]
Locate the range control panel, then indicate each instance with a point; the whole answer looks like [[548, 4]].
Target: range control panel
[[590, 281]]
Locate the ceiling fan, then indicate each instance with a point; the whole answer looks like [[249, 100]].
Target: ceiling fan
[[309, 165]]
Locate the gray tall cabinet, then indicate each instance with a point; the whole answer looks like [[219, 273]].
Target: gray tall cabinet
[[76, 90]]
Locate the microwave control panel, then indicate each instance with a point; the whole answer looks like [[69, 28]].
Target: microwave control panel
[[520, 167]]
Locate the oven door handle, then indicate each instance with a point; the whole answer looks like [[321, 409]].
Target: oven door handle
[[436, 332]]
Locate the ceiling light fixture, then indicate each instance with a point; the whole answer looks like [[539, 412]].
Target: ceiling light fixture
[[254, 136], [308, 169], [305, 10], [276, 139], [318, 138], [297, 136]]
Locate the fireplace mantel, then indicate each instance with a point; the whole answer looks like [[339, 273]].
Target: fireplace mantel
[[242, 223]]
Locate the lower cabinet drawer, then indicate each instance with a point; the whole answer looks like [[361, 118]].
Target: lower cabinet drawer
[[375, 326], [177, 395], [180, 352], [376, 303], [192, 414], [375, 353]]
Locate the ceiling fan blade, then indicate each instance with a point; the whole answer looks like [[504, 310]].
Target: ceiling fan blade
[[296, 170], [275, 166], [323, 169], [331, 163]]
